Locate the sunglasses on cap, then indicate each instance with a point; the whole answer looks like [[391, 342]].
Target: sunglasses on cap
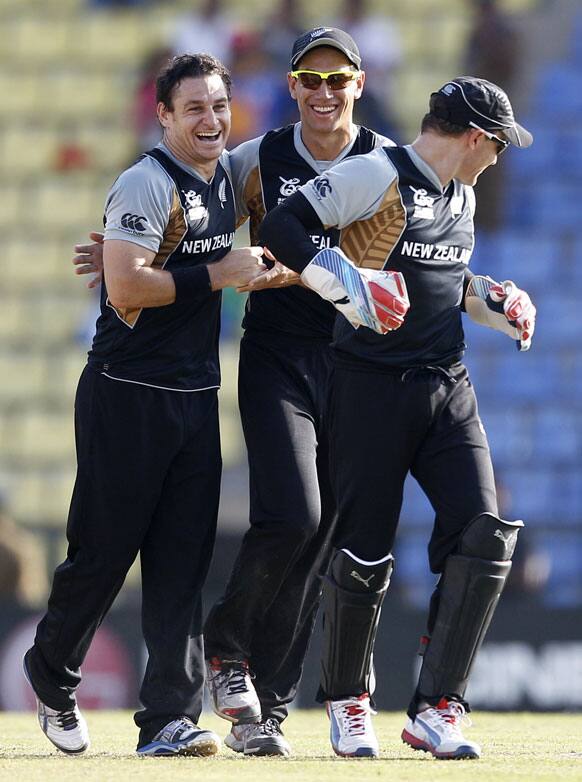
[[501, 143], [336, 80]]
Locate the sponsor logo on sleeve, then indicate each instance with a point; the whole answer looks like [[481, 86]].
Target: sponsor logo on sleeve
[[322, 187], [133, 223]]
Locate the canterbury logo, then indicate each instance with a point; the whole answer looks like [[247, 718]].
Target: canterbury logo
[[345, 300], [133, 222], [358, 577], [322, 186], [501, 536]]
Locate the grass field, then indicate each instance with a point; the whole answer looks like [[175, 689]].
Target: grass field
[[515, 747]]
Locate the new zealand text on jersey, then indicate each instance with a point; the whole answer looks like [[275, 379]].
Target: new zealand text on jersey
[[207, 245], [321, 241], [436, 252]]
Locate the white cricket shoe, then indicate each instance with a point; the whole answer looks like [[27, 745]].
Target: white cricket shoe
[[67, 729], [233, 694], [352, 734], [437, 730], [260, 738], [182, 737]]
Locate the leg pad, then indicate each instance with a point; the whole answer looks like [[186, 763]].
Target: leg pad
[[353, 594]]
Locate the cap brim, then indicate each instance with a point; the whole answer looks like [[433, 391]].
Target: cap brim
[[518, 136], [352, 56]]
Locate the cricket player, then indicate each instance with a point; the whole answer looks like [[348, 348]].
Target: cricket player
[[402, 401], [146, 422]]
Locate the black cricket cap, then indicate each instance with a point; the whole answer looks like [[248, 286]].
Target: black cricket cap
[[467, 99], [325, 36]]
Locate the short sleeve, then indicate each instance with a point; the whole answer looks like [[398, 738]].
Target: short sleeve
[[352, 190], [138, 205]]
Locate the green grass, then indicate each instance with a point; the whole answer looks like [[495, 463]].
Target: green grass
[[515, 747]]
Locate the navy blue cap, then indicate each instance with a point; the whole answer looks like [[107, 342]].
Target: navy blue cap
[[326, 36], [466, 100]]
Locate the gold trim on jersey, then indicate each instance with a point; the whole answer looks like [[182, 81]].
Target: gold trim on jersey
[[174, 233], [368, 243]]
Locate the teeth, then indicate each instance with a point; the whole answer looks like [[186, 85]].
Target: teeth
[[209, 135], [324, 109]]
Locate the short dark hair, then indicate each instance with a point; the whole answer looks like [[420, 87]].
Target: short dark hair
[[187, 66], [435, 123]]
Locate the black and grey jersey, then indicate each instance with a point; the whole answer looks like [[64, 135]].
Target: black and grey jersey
[[394, 213], [267, 170], [162, 205]]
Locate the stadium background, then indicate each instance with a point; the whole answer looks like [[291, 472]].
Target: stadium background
[[70, 75]]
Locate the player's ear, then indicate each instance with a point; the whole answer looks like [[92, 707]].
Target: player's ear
[[163, 111], [292, 82], [473, 136], [360, 84]]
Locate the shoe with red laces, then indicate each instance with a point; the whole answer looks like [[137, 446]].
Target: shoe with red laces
[[233, 694], [352, 734], [437, 729]]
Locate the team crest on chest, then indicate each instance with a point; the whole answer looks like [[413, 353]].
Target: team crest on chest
[[196, 211], [289, 186], [423, 204]]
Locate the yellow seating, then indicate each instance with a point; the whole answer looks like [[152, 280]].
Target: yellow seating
[[22, 377], [43, 496], [41, 436]]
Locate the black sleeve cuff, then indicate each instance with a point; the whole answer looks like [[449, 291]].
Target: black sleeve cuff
[[191, 282], [286, 232]]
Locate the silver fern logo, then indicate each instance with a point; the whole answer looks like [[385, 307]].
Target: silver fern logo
[[222, 193], [319, 31]]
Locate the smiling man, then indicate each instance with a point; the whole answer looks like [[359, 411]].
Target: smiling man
[[284, 378], [256, 638], [148, 449], [403, 402]]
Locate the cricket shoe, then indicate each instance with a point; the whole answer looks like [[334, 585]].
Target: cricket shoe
[[181, 737], [259, 738], [437, 730], [351, 732], [66, 729], [233, 694]]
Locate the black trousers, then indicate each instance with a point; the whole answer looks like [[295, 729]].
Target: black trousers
[[268, 610], [148, 480], [385, 424]]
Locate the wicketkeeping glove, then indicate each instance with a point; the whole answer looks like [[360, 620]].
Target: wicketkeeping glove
[[503, 306], [375, 299]]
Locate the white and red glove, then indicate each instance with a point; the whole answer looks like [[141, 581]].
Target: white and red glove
[[375, 299], [519, 310], [502, 306]]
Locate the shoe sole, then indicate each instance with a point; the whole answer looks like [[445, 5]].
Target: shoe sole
[[361, 752], [232, 743], [461, 753], [65, 750], [240, 716], [201, 749], [269, 750]]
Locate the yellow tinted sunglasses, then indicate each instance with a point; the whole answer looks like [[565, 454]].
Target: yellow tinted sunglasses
[[336, 80]]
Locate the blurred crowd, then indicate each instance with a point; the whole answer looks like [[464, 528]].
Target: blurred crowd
[[257, 53]]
